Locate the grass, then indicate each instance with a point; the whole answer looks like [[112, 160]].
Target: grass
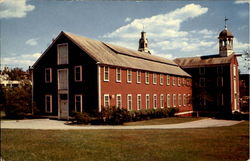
[[161, 121], [208, 144]]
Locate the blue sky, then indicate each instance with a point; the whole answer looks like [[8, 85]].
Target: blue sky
[[174, 28]]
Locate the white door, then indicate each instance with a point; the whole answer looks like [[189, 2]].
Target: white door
[[63, 107]]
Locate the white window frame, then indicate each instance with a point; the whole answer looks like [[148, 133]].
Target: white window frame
[[58, 54], [147, 101], [161, 79], [138, 76], [118, 72], [184, 100], [179, 81], [174, 80], [51, 104], [104, 101], [106, 71], [155, 101], [174, 100], [117, 100], [183, 82], [78, 95], [147, 77], [129, 75], [79, 66], [50, 75], [129, 102], [139, 102], [168, 80], [179, 99], [220, 82], [189, 100], [154, 78], [162, 100], [168, 100]]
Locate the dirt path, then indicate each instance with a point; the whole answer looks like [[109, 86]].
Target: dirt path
[[47, 124]]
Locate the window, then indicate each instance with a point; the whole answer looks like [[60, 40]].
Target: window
[[63, 79], [106, 100], [155, 101], [78, 103], [220, 69], [118, 74], [179, 81], [168, 80], [202, 82], [203, 100], [168, 100], [179, 99], [106, 73], [138, 76], [48, 103], [118, 101], [219, 81], [189, 100], [154, 78], [78, 73], [184, 100], [62, 53], [174, 100], [138, 101], [220, 99], [129, 102], [129, 75], [161, 79], [201, 70], [173, 80], [162, 101], [147, 101], [48, 75], [146, 77], [183, 82]]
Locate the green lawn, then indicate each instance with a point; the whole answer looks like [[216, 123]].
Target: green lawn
[[169, 120], [208, 144]]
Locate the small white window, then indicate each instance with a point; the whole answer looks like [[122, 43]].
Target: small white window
[[202, 70], [168, 100], [138, 76], [78, 73], [155, 101], [118, 101], [173, 80], [202, 82], [48, 103], [106, 73], [174, 100], [78, 103], [154, 78], [138, 101], [129, 102], [162, 101], [106, 100], [62, 53], [179, 81], [147, 101], [129, 75], [168, 80], [147, 77], [179, 99], [189, 100], [161, 79], [48, 75], [118, 75], [184, 99], [183, 82]]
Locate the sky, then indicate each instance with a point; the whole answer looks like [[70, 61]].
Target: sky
[[174, 28]]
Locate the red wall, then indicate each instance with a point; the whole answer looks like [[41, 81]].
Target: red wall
[[112, 88]]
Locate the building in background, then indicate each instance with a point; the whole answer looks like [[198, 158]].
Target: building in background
[[215, 78], [244, 92], [78, 74]]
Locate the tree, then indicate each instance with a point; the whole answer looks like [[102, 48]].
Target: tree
[[246, 59], [15, 73]]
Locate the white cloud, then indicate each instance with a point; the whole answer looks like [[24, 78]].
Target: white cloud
[[240, 46], [23, 61], [128, 19], [241, 1], [32, 42], [14, 8]]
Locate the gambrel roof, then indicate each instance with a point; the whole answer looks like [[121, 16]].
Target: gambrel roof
[[108, 54]]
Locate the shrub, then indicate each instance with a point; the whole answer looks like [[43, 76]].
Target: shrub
[[81, 117]]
